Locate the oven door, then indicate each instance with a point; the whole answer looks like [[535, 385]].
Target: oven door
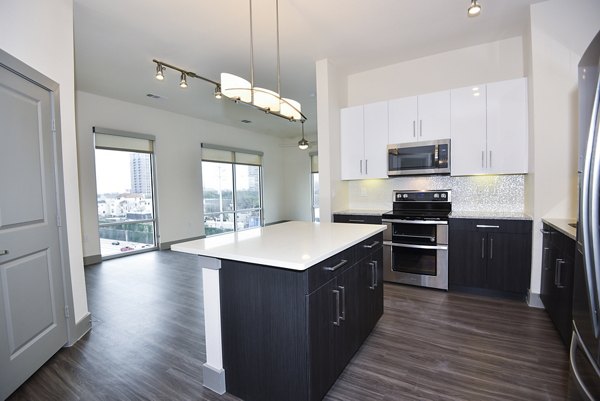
[[417, 254]]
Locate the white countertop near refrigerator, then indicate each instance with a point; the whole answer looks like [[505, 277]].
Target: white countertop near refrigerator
[[295, 245]]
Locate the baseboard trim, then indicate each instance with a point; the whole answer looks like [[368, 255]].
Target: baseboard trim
[[167, 245], [214, 379], [80, 329], [534, 300], [276, 222], [92, 260]]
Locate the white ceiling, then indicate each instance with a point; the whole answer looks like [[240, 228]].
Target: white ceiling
[[116, 40]]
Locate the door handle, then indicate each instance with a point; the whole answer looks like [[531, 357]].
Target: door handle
[[361, 166], [545, 259], [343, 314], [558, 273], [3, 252], [336, 322], [421, 128], [490, 159], [492, 248], [376, 274], [414, 129], [482, 157], [366, 166], [372, 286], [482, 247]]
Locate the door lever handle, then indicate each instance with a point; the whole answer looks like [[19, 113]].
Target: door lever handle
[[3, 252]]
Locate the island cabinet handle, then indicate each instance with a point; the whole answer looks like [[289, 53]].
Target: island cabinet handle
[[336, 322], [343, 315], [334, 268], [370, 246], [376, 274], [373, 272]]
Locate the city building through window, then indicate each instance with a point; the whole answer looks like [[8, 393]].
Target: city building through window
[[232, 189], [125, 192]]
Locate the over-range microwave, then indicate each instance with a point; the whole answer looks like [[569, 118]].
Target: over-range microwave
[[416, 158]]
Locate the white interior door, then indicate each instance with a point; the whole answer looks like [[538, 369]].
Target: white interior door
[[32, 300]]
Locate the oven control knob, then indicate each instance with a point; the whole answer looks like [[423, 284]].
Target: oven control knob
[[405, 196], [435, 196], [443, 195]]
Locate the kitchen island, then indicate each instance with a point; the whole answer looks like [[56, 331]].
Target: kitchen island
[[286, 306]]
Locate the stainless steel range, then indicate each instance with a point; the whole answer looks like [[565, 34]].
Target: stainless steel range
[[416, 241]]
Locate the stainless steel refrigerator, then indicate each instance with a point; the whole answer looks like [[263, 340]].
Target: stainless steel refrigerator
[[585, 342]]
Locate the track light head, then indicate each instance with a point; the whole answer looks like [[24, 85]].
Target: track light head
[[183, 82], [160, 72], [218, 94], [474, 9], [303, 144]]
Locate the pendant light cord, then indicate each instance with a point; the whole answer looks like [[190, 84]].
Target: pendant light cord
[[278, 58]]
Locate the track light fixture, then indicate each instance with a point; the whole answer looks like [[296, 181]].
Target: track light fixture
[[303, 143], [238, 90], [474, 9], [183, 82], [160, 72]]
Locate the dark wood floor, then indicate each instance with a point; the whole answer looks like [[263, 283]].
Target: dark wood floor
[[146, 344]]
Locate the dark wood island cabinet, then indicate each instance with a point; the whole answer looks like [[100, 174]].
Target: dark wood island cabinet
[[287, 334]]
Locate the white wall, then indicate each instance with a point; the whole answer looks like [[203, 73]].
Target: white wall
[[297, 188], [495, 61], [559, 35], [178, 164], [40, 33]]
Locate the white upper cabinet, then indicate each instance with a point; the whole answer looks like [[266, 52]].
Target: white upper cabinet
[[364, 133], [490, 129], [507, 127], [419, 118], [468, 144]]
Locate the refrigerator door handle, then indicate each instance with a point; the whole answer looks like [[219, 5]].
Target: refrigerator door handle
[[575, 344], [589, 210], [594, 200]]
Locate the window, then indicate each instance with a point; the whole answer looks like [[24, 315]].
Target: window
[[125, 192], [232, 189], [314, 185]]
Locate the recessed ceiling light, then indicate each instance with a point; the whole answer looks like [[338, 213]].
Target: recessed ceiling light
[[246, 121]]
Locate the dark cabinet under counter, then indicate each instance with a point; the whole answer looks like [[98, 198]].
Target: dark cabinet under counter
[[490, 256], [558, 257]]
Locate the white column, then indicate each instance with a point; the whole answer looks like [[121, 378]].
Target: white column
[[214, 374]]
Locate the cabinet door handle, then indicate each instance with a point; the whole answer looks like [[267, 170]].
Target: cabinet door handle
[[414, 129], [482, 247], [490, 159], [492, 248], [482, 157], [558, 273], [336, 322], [372, 286], [421, 128], [486, 226], [545, 232], [376, 275], [371, 246], [366, 166], [334, 268], [3, 252], [361, 166], [546, 267], [343, 289]]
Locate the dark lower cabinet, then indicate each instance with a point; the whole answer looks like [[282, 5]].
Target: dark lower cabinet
[[558, 256], [287, 335], [490, 256]]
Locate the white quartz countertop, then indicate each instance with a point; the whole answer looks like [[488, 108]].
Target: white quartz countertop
[[562, 225], [295, 245]]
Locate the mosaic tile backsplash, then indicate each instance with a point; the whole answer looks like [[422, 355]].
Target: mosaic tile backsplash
[[489, 193]]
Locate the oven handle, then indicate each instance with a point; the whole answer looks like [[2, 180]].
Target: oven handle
[[430, 222], [440, 247]]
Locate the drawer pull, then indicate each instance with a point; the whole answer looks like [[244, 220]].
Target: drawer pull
[[545, 232], [371, 246], [334, 268], [486, 226]]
